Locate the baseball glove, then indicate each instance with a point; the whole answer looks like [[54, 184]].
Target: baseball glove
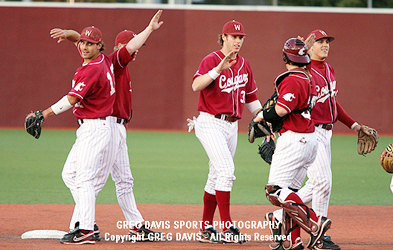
[[266, 150], [257, 130], [386, 158], [33, 123], [367, 140]]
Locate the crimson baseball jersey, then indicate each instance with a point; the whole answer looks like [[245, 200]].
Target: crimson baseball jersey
[[123, 103], [93, 84], [294, 93], [326, 108], [231, 90]]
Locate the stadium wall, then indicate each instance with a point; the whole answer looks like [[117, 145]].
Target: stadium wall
[[36, 71]]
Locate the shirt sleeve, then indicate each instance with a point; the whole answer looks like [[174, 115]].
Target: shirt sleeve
[[344, 117], [288, 94]]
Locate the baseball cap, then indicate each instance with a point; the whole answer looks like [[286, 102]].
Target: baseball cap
[[91, 34], [233, 28], [124, 37], [319, 34]]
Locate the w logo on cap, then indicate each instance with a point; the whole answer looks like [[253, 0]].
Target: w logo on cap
[[88, 32], [233, 28], [91, 34]]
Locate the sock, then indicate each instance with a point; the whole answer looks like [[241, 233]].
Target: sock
[[209, 207], [85, 231], [223, 202]]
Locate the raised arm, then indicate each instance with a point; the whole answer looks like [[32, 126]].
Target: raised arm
[[137, 42]]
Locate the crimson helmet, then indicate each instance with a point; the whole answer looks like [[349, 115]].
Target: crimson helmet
[[296, 51]]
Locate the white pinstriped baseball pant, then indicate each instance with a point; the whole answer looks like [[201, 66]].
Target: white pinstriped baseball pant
[[319, 184], [219, 139], [115, 160], [294, 153], [81, 166]]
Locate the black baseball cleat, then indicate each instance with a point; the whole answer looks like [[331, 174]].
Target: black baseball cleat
[[326, 243], [145, 234], [209, 235], [274, 226], [96, 231], [232, 235], [324, 224], [77, 237]]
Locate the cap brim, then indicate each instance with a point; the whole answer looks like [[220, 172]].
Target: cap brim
[[88, 40], [236, 34], [330, 38]]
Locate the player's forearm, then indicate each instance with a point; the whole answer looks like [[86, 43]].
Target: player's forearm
[[202, 82], [137, 42], [72, 35]]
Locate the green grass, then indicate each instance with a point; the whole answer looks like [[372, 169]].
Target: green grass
[[171, 168]]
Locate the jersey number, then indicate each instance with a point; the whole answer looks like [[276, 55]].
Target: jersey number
[[108, 75], [243, 96]]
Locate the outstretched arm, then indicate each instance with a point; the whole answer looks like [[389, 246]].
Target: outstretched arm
[[137, 42], [70, 35]]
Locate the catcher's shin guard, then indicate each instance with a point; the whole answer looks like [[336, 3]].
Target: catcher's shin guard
[[300, 214]]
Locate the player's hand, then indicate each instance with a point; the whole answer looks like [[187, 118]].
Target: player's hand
[[309, 42], [226, 63], [58, 33], [155, 22]]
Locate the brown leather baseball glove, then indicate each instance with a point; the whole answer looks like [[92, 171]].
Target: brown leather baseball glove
[[367, 140], [386, 158]]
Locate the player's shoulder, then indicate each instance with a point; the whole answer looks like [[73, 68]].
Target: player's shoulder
[[215, 55]]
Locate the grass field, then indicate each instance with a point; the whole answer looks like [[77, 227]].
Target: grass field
[[171, 168]]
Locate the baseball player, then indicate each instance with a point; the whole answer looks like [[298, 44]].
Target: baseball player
[[295, 150], [92, 97], [115, 157], [326, 112], [225, 83]]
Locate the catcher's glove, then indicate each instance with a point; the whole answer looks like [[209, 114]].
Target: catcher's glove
[[367, 140], [386, 158], [257, 129], [266, 150], [33, 123]]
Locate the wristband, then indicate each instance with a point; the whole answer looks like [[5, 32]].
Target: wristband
[[213, 74], [260, 114], [62, 105], [354, 125]]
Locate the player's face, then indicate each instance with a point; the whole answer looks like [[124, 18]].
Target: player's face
[[233, 43], [320, 49], [89, 50]]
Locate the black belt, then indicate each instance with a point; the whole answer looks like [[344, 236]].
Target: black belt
[[99, 118], [327, 126], [121, 120], [226, 117]]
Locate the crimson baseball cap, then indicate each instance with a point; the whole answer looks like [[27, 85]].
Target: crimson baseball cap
[[124, 37], [91, 34], [319, 34], [233, 28]]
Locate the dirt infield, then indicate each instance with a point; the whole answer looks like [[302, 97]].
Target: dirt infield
[[354, 227]]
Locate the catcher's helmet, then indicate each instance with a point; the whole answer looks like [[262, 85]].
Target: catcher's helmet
[[296, 51]]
